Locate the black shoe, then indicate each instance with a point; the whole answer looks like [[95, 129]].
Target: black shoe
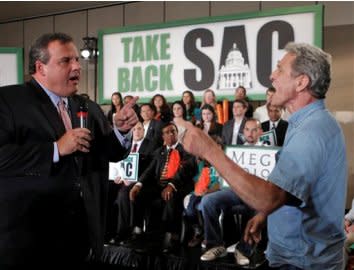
[[170, 242], [196, 240], [116, 240], [197, 237]]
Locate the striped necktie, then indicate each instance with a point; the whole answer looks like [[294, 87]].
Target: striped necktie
[[63, 112]]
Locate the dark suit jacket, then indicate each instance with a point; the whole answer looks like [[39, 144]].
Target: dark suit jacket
[[146, 150], [183, 180], [280, 130], [228, 129], [217, 131], [40, 204], [154, 132]]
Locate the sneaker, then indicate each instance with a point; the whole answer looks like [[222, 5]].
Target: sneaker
[[214, 253], [240, 258], [250, 257]]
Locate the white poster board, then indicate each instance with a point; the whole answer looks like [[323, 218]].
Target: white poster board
[[257, 160], [220, 53], [11, 66], [126, 169]]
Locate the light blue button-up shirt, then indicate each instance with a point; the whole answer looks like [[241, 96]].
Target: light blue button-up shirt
[[312, 166]]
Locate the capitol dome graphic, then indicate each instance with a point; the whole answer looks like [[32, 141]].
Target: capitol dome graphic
[[235, 72]]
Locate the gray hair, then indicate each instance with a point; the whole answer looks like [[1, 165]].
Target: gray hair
[[39, 50], [313, 62]]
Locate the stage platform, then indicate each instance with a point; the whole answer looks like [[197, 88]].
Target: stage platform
[[152, 258]]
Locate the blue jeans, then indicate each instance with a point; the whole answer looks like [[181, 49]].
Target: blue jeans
[[211, 206], [287, 267]]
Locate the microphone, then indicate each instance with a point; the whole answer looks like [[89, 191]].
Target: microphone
[[82, 115]]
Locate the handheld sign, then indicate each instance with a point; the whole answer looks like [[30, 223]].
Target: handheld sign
[[127, 169], [269, 138], [257, 160]]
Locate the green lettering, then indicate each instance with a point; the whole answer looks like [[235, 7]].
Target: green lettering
[[151, 48], [150, 83], [138, 50], [137, 80], [123, 79], [165, 77], [164, 46], [126, 42]]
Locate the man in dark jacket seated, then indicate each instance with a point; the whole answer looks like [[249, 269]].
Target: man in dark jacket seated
[[164, 184]]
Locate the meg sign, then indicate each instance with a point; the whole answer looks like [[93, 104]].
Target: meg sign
[[256, 160]]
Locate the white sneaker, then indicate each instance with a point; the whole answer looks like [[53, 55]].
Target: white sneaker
[[241, 259], [214, 253]]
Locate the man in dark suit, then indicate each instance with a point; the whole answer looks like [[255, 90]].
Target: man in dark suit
[[232, 131], [152, 126], [53, 174], [275, 122], [165, 183], [124, 225]]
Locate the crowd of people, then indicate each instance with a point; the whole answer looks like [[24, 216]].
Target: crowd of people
[[192, 188], [54, 170]]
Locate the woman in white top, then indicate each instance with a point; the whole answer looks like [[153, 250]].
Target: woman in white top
[[179, 112]]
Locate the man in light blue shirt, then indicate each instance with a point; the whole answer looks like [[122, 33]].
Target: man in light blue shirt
[[304, 199]]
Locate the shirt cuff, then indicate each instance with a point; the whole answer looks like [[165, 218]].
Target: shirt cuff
[[125, 140], [56, 153], [173, 186]]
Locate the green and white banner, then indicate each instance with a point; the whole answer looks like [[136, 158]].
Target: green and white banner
[[220, 53], [11, 66]]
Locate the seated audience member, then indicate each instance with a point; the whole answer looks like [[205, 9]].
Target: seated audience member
[[193, 111], [209, 98], [152, 127], [116, 105], [205, 181], [221, 201], [232, 131], [349, 228], [208, 123], [164, 184], [179, 112], [241, 93], [136, 107], [145, 148], [275, 122], [163, 111], [261, 113]]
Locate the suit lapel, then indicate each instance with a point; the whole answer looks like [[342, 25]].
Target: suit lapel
[[50, 112]]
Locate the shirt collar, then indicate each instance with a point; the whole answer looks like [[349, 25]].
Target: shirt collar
[[53, 97], [172, 147], [138, 142], [297, 117]]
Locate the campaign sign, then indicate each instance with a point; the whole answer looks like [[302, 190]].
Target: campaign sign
[[220, 53], [257, 160], [269, 138], [126, 169]]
